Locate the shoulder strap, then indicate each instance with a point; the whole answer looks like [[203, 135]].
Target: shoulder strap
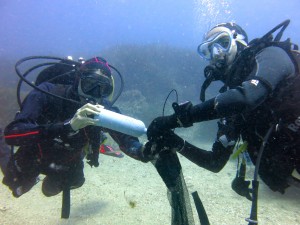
[[277, 38]]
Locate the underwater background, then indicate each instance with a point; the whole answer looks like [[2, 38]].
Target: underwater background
[[153, 44]]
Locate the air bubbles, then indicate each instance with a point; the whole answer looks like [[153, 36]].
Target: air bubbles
[[211, 12]]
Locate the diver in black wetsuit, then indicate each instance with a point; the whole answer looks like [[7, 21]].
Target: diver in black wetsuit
[[54, 135], [248, 106]]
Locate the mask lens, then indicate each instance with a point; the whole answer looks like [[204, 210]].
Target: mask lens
[[96, 85], [204, 50], [224, 42]]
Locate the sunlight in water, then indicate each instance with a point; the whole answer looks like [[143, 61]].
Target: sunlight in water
[[211, 12]]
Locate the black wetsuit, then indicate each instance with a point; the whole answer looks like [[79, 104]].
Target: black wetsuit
[[48, 145], [247, 113], [4, 153]]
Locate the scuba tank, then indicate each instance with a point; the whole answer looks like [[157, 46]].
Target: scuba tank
[[121, 123]]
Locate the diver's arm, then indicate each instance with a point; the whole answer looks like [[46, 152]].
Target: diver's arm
[[213, 160], [24, 130], [128, 144], [272, 66], [222, 148]]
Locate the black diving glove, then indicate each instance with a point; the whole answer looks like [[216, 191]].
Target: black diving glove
[[160, 125], [181, 118], [168, 142], [149, 150], [172, 141]]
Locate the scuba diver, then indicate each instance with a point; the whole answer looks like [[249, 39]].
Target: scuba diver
[[55, 129], [259, 106]]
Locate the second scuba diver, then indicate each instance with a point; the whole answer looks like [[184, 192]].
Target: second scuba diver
[[258, 104], [54, 135]]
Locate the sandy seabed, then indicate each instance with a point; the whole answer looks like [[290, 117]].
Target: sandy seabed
[[109, 189]]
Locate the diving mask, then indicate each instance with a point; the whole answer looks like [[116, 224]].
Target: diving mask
[[96, 84], [218, 46]]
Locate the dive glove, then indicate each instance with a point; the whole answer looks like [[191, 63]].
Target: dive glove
[[168, 142], [84, 116], [149, 151], [181, 118], [172, 141]]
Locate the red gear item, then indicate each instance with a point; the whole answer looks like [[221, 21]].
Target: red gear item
[[108, 150]]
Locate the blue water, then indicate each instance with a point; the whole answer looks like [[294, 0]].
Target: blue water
[[80, 27]]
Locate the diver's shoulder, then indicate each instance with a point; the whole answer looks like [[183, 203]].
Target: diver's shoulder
[[273, 50], [47, 86]]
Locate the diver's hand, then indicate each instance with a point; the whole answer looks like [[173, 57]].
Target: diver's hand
[[159, 125], [169, 141], [181, 118], [84, 116], [172, 141], [149, 151]]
